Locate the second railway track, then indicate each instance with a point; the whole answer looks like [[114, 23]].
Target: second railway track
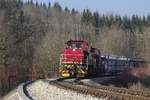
[[107, 92]]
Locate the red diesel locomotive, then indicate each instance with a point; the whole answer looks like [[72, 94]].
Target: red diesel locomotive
[[79, 60]]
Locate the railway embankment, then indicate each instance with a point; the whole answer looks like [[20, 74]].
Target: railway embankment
[[19, 93], [101, 88], [42, 90]]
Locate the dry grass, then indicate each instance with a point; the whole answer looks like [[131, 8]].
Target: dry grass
[[138, 86]]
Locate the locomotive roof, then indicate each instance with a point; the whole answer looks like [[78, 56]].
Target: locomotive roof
[[76, 41]]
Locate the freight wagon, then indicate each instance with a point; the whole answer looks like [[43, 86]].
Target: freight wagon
[[116, 64]]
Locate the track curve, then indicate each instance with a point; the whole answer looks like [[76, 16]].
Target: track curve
[[106, 92], [111, 93]]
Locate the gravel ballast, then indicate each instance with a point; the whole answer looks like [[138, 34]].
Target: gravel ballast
[[41, 90]]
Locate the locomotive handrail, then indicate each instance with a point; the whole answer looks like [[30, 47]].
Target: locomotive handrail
[[72, 54], [79, 61]]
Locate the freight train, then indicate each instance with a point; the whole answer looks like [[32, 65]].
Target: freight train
[[114, 64], [79, 60]]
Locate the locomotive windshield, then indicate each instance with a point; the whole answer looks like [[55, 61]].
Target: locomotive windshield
[[74, 44]]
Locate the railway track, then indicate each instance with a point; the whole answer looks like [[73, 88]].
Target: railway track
[[109, 93]]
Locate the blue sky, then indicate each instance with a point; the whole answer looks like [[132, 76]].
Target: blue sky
[[122, 7]]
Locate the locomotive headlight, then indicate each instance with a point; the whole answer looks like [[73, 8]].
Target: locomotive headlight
[[74, 49]]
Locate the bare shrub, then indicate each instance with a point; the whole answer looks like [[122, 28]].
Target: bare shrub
[[113, 41], [46, 56], [137, 86], [147, 44]]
